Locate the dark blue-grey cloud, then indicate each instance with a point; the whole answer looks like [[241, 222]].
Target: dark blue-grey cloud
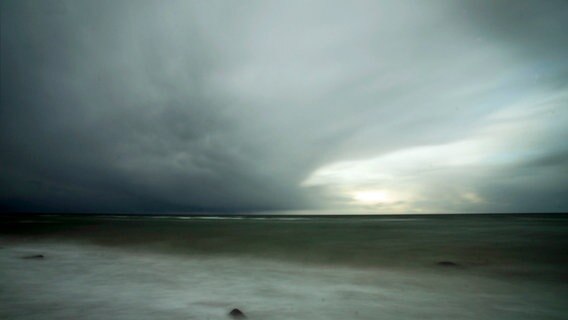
[[141, 106]]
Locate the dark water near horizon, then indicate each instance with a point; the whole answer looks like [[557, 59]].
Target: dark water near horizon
[[296, 267]]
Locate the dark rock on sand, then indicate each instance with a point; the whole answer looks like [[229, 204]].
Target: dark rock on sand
[[35, 256], [237, 314], [447, 264]]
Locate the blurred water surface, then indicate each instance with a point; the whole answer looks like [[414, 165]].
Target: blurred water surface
[[380, 267]]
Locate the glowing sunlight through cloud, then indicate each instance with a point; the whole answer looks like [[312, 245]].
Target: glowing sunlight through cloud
[[417, 179]]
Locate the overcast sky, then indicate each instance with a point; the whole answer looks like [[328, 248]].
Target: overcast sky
[[237, 106]]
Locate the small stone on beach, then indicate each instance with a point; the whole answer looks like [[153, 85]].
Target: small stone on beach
[[35, 256], [236, 313]]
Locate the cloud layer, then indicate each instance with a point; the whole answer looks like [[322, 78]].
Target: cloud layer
[[182, 106]]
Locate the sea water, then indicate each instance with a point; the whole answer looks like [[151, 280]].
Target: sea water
[[121, 267]]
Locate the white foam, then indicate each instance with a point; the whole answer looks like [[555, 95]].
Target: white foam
[[91, 282]]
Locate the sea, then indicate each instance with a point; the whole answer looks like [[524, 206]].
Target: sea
[[391, 267]]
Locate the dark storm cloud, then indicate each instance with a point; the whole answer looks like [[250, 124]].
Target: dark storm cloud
[[147, 106], [104, 108]]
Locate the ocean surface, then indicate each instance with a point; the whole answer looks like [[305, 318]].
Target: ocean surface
[[298, 267]]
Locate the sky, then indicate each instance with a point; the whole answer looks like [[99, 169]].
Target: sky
[[376, 106]]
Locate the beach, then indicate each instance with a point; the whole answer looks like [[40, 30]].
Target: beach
[[295, 267]]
